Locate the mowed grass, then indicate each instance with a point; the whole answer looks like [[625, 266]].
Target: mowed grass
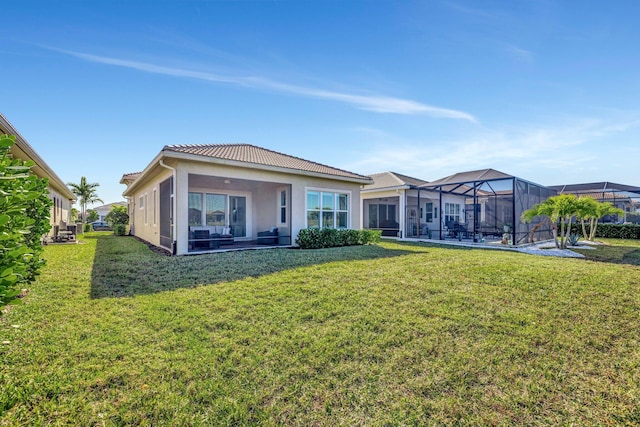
[[393, 334]]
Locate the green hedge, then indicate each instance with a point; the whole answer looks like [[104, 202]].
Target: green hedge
[[24, 219], [120, 229], [613, 231], [316, 238]]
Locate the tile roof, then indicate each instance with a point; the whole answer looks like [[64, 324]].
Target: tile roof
[[247, 153], [392, 179], [130, 176]]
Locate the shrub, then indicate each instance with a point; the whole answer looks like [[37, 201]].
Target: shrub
[[613, 231], [120, 229], [573, 239], [24, 219], [87, 227], [117, 216], [316, 238]]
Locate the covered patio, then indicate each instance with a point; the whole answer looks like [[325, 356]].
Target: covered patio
[[227, 213]]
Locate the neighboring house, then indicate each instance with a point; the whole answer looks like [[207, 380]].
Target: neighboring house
[[487, 204], [625, 197], [103, 210], [235, 192], [477, 206], [394, 205], [59, 193]]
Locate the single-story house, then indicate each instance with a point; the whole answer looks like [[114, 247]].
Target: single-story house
[[103, 210], [194, 198], [59, 193], [396, 205]]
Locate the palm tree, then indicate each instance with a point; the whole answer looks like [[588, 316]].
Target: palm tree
[[587, 211], [561, 209], [603, 209], [87, 194]]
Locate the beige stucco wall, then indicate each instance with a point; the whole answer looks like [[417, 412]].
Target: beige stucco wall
[[262, 197], [60, 211], [150, 192]]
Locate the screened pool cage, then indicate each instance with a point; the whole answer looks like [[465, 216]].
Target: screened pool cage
[[486, 206], [482, 206], [625, 197]]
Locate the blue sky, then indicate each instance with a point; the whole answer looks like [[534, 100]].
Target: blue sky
[[545, 90]]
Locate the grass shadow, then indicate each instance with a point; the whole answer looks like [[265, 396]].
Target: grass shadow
[[615, 254], [124, 266]]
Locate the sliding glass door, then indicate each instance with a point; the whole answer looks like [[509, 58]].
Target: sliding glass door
[[238, 215]]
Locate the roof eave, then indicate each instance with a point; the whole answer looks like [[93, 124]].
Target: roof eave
[[26, 148]]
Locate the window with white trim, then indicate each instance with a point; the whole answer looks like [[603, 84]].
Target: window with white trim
[[282, 206], [146, 211], [431, 212], [451, 213], [155, 205], [327, 209]]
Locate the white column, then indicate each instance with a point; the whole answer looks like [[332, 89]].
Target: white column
[[181, 216], [402, 213]]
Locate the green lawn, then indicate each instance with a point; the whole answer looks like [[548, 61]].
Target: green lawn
[[394, 334]]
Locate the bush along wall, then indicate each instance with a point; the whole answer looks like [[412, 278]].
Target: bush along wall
[[613, 231], [120, 229], [24, 219], [316, 238]]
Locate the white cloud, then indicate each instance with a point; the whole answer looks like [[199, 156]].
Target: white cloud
[[375, 103], [519, 53], [525, 151]]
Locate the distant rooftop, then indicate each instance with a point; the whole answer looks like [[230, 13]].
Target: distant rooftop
[[596, 187], [392, 180]]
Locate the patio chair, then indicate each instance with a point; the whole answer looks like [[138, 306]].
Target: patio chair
[[268, 237], [202, 240]]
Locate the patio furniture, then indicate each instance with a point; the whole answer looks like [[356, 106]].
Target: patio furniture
[[64, 233], [202, 240], [268, 237]]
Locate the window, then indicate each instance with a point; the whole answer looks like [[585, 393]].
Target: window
[[382, 215], [141, 204], [155, 215], [428, 207], [145, 209], [451, 214], [283, 207], [195, 208], [215, 209], [327, 210]]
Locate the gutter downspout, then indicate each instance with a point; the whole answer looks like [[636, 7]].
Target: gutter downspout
[[174, 224]]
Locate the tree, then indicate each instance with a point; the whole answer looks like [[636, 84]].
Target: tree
[[587, 211], [117, 215], [560, 210], [92, 215], [603, 209], [86, 192]]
